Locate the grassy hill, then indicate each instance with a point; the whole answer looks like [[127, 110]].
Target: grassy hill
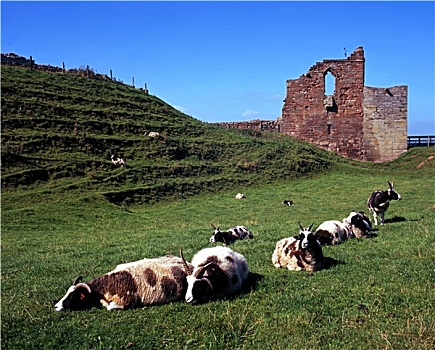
[[61, 130]]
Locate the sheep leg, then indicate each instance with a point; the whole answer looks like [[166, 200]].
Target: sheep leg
[[375, 218]]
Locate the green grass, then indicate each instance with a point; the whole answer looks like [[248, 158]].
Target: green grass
[[67, 211], [378, 294]]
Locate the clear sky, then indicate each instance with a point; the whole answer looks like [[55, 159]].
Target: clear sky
[[229, 61]]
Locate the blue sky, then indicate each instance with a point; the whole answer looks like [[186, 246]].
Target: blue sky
[[229, 61]]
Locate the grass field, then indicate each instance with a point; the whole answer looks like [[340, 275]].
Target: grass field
[[378, 293], [66, 210]]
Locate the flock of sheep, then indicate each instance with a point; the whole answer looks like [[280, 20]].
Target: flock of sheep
[[216, 271]]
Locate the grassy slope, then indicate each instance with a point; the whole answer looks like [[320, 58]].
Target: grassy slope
[[378, 294], [39, 111]]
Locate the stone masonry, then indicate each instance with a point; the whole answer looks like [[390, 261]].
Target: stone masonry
[[358, 122]]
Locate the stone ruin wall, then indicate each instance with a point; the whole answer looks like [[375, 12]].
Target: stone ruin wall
[[332, 122], [358, 122], [385, 122]]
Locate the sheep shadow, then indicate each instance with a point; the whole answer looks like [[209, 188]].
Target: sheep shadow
[[395, 219], [331, 262]]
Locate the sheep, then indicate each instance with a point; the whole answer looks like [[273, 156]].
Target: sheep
[[302, 252], [379, 201], [118, 161], [153, 134], [217, 272], [135, 284], [233, 234], [288, 202], [360, 224], [240, 196], [333, 232]]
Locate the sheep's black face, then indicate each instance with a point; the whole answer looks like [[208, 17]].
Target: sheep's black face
[[75, 299], [198, 289], [307, 238], [217, 237]]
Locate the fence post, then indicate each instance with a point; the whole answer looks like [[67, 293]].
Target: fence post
[[63, 67], [133, 81], [111, 75], [87, 70], [31, 63]]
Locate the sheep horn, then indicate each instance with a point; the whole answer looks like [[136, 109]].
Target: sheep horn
[[84, 285], [77, 280], [186, 267], [213, 226], [201, 271], [309, 228]]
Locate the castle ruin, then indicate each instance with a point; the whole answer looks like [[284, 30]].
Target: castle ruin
[[355, 121]]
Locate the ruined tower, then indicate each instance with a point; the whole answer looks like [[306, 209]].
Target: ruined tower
[[352, 120]]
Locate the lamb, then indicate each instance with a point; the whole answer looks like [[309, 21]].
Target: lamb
[[302, 252], [118, 161], [240, 196], [135, 284], [217, 272], [379, 201], [288, 202], [233, 234]]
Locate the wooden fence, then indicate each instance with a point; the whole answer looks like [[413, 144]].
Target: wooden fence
[[421, 141]]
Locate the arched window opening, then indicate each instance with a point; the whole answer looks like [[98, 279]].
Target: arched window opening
[[329, 84]]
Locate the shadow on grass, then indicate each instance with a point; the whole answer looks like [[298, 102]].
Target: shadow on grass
[[396, 219], [330, 262]]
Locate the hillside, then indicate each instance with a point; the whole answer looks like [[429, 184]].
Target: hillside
[[59, 132]]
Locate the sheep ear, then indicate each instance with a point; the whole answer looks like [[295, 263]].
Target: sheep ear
[[201, 271]]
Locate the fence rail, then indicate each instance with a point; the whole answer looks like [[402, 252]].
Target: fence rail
[[421, 141]]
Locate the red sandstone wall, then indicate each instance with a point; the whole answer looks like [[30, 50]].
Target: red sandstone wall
[[334, 124]]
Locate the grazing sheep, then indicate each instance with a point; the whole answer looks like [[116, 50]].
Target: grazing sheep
[[217, 272], [118, 161], [303, 252], [379, 201], [136, 284], [288, 202], [240, 196], [153, 134], [233, 234]]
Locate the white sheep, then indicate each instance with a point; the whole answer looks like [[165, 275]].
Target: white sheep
[[217, 272]]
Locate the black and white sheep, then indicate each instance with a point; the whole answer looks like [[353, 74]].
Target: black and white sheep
[[379, 201], [288, 202], [135, 284], [118, 161], [233, 234], [302, 252], [360, 224], [217, 272], [333, 232]]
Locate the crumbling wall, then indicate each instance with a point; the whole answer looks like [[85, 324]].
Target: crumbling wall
[[333, 122], [257, 124], [385, 122]]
